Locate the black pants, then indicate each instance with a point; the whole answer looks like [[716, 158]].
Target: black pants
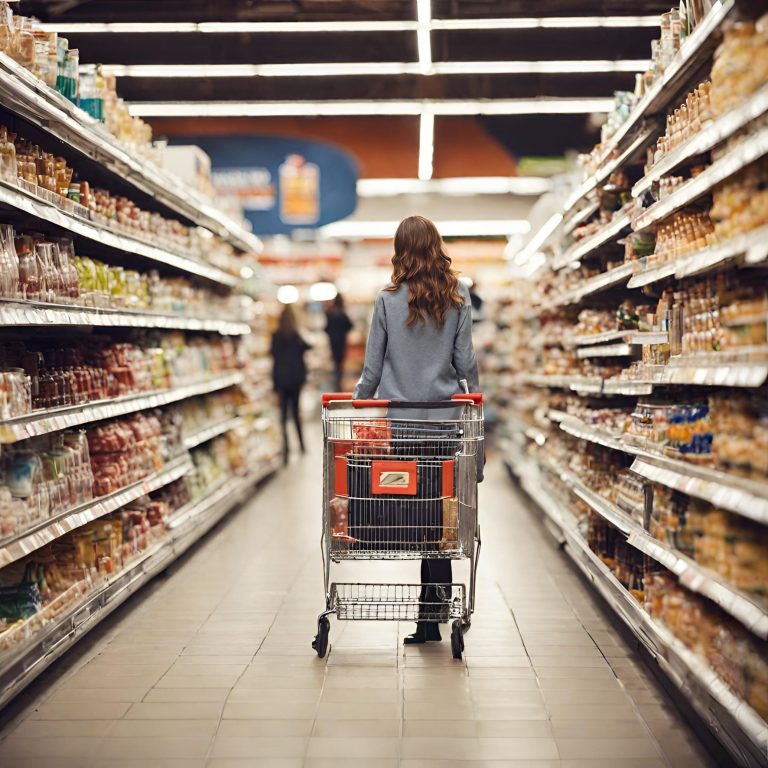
[[434, 572], [338, 374], [289, 404]]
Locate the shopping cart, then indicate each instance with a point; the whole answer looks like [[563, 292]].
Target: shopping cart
[[400, 489]]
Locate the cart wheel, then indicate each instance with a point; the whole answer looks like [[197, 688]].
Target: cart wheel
[[320, 643], [457, 640]]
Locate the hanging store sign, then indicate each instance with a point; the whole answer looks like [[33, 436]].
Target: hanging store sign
[[282, 183]]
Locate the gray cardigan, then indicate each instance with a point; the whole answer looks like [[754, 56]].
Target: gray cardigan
[[421, 362]]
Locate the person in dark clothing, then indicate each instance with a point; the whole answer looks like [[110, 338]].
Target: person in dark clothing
[[477, 304], [289, 373], [337, 326]]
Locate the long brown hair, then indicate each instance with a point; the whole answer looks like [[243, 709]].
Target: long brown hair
[[421, 261], [287, 323]]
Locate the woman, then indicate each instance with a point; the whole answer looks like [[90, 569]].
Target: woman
[[337, 326], [420, 349], [289, 373]]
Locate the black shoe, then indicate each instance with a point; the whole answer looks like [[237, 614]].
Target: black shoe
[[426, 631]]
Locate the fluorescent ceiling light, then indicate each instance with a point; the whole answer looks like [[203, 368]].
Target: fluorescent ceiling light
[[375, 68], [263, 70], [342, 230], [255, 27], [426, 145], [548, 22], [333, 108], [457, 186], [424, 43], [322, 292], [231, 27], [537, 241], [538, 67], [287, 294]]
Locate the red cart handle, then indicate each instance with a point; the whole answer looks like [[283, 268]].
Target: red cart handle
[[329, 397]]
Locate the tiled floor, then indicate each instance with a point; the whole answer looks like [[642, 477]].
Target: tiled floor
[[212, 665]]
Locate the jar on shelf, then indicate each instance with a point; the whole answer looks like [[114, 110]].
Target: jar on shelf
[[8, 164], [9, 263], [30, 272]]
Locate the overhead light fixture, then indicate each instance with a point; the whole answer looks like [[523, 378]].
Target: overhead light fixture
[[379, 230], [375, 68], [538, 67], [548, 22], [342, 69], [334, 108], [426, 145], [287, 294], [423, 39], [537, 241], [322, 292], [302, 27], [457, 186]]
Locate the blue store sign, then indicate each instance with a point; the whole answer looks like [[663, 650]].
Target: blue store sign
[[283, 183]]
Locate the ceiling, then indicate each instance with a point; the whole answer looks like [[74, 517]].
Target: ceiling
[[521, 134]]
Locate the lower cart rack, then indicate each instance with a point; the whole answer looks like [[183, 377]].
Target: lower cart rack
[[398, 602]]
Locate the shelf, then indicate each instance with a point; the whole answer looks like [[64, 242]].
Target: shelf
[[710, 372], [726, 490], [697, 579], [751, 245], [692, 576], [588, 245], [19, 666], [652, 274], [598, 338], [708, 137], [36, 314], [644, 138], [43, 422], [24, 94], [587, 385], [748, 498], [741, 729], [748, 151], [591, 285], [694, 52], [606, 350], [580, 216], [576, 427], [210, 431], [627, 387], [19, 199], [51, 529]]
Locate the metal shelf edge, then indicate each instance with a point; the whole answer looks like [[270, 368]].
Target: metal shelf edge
[[17, 198], [42, 423]]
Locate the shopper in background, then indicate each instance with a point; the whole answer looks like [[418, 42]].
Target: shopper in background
[[337, 326], [420, 349], [289, 373], [477, 304]]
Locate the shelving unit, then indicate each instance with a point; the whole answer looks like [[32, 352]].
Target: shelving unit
[[20, 666], [740, 728], [21, 92], [59, 618], [36, 314], [54, 420], [17, 199], [635, 475]]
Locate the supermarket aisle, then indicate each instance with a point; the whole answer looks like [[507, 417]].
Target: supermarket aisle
[[212, 666]]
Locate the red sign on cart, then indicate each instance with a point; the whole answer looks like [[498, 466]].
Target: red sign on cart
[[395, 477]]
